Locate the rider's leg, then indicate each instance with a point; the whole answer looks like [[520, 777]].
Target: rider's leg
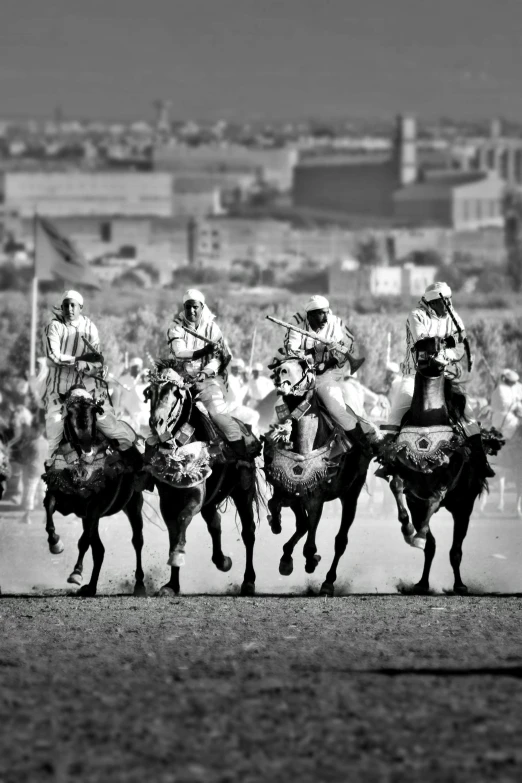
[[53, 427], [213, 399], [472, 431], [331, 395], [115, 429], [401, 402]]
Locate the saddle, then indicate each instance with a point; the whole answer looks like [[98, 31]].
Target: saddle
[[219, 450]]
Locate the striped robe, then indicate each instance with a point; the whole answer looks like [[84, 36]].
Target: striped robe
[[182, 345], [334, 331], [422, 323], [63, 339]]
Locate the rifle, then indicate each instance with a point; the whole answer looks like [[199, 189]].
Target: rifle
[[311, 335], [462, 338]]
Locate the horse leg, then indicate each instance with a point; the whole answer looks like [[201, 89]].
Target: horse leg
[[349, 502], [274, 515], [98, 553], [421, 513], [407, 529], [76, 577], [56, 546], [244, 501], [133, 511], [314, 512], [502, 492], [461, 509], [286, 564], [213, 519], [190, 503]]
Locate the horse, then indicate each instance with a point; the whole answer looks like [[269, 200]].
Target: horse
[[91, 495], [190, 479], [430, 464], [309, 462]]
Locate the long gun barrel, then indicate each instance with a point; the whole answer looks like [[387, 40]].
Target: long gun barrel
[[462, 337], [311, 335], [194, 334]]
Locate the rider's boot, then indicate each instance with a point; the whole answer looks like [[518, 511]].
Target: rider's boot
[[245, 465], [388, 435], [355, 363], [479, 455], [364, 440]]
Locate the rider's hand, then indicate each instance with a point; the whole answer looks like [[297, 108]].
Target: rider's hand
[[440, 360]]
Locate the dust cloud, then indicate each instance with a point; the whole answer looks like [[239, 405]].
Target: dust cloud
[[376, 561]]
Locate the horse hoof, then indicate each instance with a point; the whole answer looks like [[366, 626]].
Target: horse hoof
[[57, 548], [167, 592], [312, 563], [226, 564], [418, 542], [460, 589], [139, 591], [86, 591], [420, 589], [275, 525], [75, 578], [176, 560], [327, 589], [286, 567], [248, 588]]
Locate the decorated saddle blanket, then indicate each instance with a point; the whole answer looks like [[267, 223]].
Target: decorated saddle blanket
[[302, 474], [180, 466], [85, 474]]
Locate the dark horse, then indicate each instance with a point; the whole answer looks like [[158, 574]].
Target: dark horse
[[432, 465], [173, 415], [114, 494], [317, 465]]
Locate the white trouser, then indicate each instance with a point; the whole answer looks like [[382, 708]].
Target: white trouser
[[401, 401], [212, 394], [245, 414], [108, 425], [330, 393], [401, 404]]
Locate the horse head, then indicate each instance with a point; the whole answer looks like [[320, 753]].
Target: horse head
[[81, 408], [293, 377], [167, 394]]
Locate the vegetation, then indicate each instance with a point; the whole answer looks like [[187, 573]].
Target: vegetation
[[136, 321]]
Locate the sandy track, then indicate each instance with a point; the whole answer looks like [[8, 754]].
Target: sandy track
[[232, 689]]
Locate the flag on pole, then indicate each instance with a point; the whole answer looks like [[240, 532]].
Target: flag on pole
[[55, 256]]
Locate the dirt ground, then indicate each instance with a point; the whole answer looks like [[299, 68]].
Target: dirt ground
[[370, 685], [208, 688]]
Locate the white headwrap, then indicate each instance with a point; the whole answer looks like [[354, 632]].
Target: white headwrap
[[393, 367], [317, 303], [193, 295], [74, 295], [510, 375], [434, 291]]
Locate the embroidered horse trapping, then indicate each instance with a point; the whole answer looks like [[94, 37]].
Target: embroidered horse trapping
[[85, 475], [180, 466], [301, 474], [423, 448]]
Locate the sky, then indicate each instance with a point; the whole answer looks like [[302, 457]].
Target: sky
[[257, 59]]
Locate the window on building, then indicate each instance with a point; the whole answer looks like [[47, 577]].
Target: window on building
[[106, 231]]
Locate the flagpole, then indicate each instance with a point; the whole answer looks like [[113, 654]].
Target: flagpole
[[34, 307], [252, 349]]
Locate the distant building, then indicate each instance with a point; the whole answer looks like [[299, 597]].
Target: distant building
[[358, 183], [499, 154], [88, 194], [462, 201], [351, 280], [274, 166]]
